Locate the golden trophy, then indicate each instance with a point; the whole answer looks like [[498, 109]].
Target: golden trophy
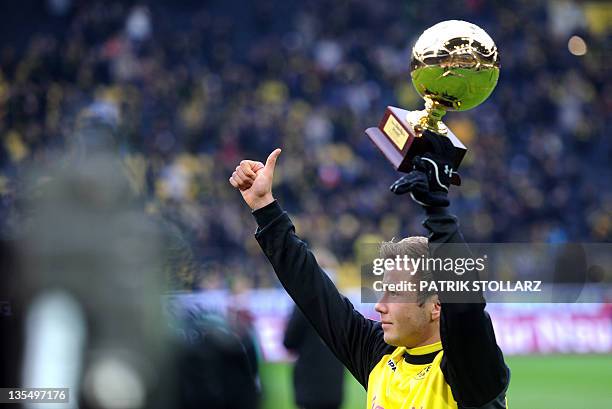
[[454, 67]]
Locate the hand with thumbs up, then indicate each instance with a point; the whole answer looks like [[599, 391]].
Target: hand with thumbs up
[[254, 180]]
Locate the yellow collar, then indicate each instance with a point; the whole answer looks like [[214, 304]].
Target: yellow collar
[[425, 349]]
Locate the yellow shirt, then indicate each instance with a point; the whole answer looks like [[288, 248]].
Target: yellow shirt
[[397, 384]]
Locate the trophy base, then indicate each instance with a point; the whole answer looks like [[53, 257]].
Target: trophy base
[[397, 139], [400, 162]]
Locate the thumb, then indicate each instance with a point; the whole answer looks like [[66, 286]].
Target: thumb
[[271, 161]]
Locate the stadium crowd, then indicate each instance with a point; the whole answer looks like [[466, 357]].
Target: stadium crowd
[[194, 87]]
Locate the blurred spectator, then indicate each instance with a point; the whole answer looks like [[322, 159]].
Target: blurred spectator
[[318, 376], [214, 370]]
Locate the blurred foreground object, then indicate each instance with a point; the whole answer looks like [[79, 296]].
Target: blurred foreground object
[[92, 281], [95, 267]]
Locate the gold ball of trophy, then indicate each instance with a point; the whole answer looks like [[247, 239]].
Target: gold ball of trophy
[[454, 67]]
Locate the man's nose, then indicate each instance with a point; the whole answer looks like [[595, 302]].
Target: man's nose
[[380, 308]]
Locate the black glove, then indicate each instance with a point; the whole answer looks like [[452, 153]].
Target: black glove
[[418, 185], [430, 178]]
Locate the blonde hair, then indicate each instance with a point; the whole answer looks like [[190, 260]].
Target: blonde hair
[[413, 247]]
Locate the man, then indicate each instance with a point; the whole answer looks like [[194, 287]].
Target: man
[[429, 352], [318, 376], [212, 363]]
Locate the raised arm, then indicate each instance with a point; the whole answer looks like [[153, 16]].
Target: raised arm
[[356, 341], [473, 364]]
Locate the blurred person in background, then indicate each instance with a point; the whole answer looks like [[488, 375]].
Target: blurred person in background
[[214, 368], [318, 376], [241, 319]]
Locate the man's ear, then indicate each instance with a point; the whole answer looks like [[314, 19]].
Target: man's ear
[[436, 308]]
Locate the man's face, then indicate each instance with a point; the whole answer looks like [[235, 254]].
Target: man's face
[[404, 321]]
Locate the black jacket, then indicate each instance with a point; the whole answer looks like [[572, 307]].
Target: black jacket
[[318, 376]]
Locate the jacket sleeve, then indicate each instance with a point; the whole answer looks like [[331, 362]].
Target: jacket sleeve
[[473, 364], [356, 341]]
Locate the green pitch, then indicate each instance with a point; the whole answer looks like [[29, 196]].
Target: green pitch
[[538, 382]]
